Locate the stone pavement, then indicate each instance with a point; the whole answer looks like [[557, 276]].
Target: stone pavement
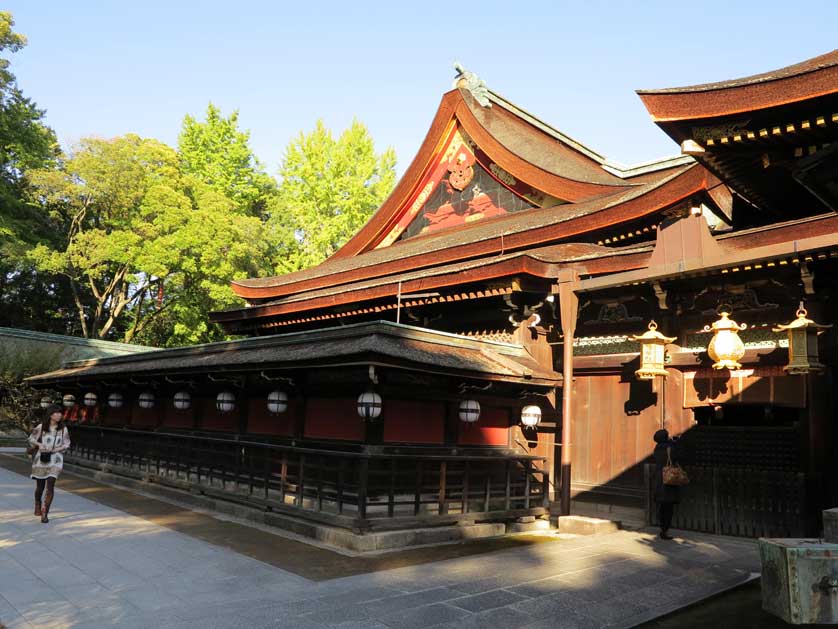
[[96, 566]]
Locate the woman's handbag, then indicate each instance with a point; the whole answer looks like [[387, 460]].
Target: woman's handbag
[[674, 474]]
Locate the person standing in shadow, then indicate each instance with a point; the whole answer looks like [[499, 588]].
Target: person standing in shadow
[[666, 496]]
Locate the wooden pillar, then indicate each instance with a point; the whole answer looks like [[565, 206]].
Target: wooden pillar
[[568, 305]]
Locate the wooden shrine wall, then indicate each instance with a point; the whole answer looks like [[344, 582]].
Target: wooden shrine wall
[[613, 424]]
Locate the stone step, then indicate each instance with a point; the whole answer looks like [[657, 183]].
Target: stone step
[[583, 525]]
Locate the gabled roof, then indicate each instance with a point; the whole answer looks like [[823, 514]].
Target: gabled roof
[[491, 237], [586, 192]]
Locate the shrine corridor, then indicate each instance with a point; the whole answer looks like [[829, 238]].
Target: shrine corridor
[[110, 557]]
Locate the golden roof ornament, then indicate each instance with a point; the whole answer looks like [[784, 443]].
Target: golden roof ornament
[[473, 84], [725, 348], [803, 343], [653, 352]]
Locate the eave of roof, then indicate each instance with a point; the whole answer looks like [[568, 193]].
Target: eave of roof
[[507, 233], [377, 343], [802, 81], [738, 249]]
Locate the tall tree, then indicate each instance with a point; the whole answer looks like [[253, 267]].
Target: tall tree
[[27, 298], [329, 188], [141, 242], [217, 153]]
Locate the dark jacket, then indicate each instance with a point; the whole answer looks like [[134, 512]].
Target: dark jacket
[[665, 493]]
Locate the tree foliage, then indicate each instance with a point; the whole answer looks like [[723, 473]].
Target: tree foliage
[[217, 153], [141, 240], [129, 239], [329, 188]]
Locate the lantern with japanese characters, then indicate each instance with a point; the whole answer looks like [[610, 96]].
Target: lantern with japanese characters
[[652, 352]]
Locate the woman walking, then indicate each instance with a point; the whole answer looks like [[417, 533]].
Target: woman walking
[[51, 439], [667, 496]]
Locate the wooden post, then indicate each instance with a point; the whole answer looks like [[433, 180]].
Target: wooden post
[[568, 304]]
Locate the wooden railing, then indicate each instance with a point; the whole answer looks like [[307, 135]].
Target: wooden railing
[[741, 502], [348, 487]]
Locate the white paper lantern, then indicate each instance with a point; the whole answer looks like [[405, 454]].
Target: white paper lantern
[[531, 416], [45, 401], [182, 400], [146, 399], [469, 411], [277, 402], [69, 400], [90, 399], [115, 400], [369, 405], [225, 402]]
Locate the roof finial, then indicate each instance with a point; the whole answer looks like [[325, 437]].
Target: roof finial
[[474, 84]]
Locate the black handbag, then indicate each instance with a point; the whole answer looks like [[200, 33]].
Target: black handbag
[[46, 457]]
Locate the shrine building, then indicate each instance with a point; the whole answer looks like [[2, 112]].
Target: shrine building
[[503, 337]]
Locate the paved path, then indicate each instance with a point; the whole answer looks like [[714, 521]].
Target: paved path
[[95, 566]]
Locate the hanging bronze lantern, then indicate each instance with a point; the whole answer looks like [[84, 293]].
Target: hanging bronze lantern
[[652, 354], [803, 344], [726, 348]]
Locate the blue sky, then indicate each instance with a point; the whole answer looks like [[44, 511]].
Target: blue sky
[[108, 68]]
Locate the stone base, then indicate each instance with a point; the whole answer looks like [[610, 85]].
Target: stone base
[[583, 525], [528, 524], [373, 541]]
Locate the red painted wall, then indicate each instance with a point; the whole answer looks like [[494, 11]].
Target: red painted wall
[[260, 421], [174, 418], [144, 417], [211, 419], [115, 416], [492, 429], [414, 421], [333, 419]]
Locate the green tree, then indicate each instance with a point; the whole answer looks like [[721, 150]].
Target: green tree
[[27, 298], [329, 188], [217, 153], [141, 241]]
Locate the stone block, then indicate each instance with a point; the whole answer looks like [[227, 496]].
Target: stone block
[[830, 525], [583, 525], [528, 527]]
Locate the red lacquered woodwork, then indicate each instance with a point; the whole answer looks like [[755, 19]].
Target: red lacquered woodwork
[[333, 419], [492, 429], [414, 421]]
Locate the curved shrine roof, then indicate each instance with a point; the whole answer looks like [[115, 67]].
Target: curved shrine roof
[[802, 81]]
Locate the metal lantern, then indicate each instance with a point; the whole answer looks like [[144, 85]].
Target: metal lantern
[[45, 401], [146, 399], [469, 411], [225, 402], [803, 344], [182, 400], [90, 399], [531, 416], [115, 400], [68, 400], [726, 348], [369, 405], [652, 346], [277, 402]]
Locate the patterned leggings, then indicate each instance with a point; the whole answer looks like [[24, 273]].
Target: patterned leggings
[[49, 483]]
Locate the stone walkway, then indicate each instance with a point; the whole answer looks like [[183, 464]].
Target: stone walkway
[[95, 566]]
